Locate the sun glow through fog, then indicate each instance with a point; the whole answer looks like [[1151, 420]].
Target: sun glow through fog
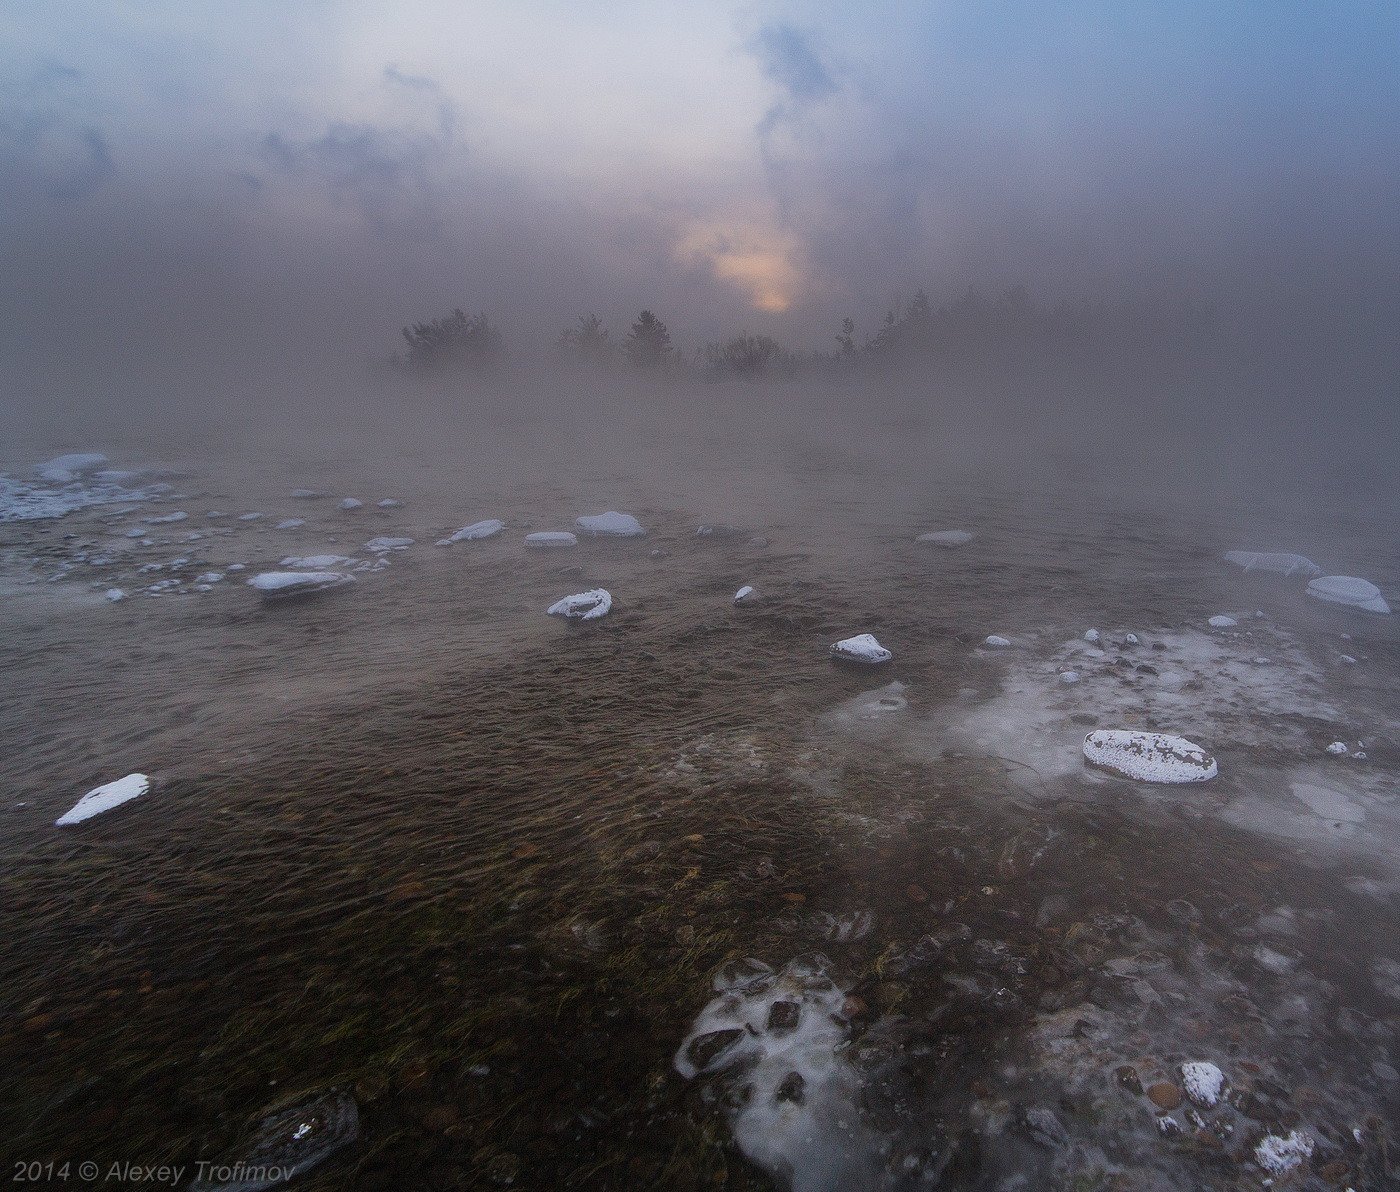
[[759, 261]]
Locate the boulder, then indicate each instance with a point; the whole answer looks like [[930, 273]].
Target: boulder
[[610, 525], [862, 648], [1148, 757], [584, 606]]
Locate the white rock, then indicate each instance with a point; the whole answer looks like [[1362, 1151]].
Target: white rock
[[315, 562], [208, 577], [1347, 659], [249, 516], [1091, 635], [1221, 621], [1347, 589], [277, 584], [486, 528], [945, 538], [1337, 748], [115, 594], [550, 540], [237, 567], [585, 606], [351, 503], [1203, 1082], [1131, 639], [996, 642], [610, 525], [104, 798], [378, 546], [1278, 562], [1069, 676], [1148, 757], [168, 519], [1279, 1155], [64, 469], [389, 503], [746, 595], [861, 648], [290, 523]]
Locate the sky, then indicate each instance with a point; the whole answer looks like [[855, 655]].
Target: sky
[[180, 172]]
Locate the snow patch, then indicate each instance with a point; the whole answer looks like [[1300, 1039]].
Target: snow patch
[[550, 539], [610, 525], [948, 538], [585, 606], [1277, 562], [486, 528], [104, 798], [1348, 590], [278, 584]]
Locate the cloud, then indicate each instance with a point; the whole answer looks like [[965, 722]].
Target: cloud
[[47, 147]]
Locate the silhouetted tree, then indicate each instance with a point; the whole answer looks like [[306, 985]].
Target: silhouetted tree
[[587, 342], [846, 341], [745, 355], [454, 340], [648, 343]]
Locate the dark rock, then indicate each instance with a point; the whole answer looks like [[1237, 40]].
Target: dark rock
[[1043, 1127], [703, 1051], [791, 1089], [1127, 1078], [289, 1140], [783, 1016]]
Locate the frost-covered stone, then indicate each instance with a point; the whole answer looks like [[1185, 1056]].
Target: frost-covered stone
[[291, 523], [583, 606], [550, 540], [746, 595], [486, 528], [168, 519], [65, 469], [610, 525], [315, 562], [945, 538], [275, 585], [1069, 676], [208, 577], [389, 503], [249, 516], [351, 503], [1203, 1082], [997, 642], [114, 595], [1337, 748], [378, 546], [1278, 562], [1221, 621], [1091, 636], [104, 798], [1148, 757], [861, 648], [1348, 590], [1277, 1155]]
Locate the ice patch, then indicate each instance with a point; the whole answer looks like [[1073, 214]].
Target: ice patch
[[778, 1041], [1148, 757], [610, 525], [1327, 804], [1278, 562], [351, 503], [208, 577], [996, 642], [377, 546], [305, 494], [290, 523], [486, 528], [947, 538], [389, 503], [115, 594], [861, 648], [65, 469], [1348, 590], [168, 519], [104, 798], [550, 539], [249, 516], [1221, 621], [585, 606], [278, 584], [315, 562]]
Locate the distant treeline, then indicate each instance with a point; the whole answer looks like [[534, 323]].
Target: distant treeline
[[968, 327]]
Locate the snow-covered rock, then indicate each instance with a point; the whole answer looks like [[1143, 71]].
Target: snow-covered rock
[[861, 648], [65, 469], [351, 503], [1069, 676], [945, 538], [486, 528], [1278, 1154], [274, 585], [1278, 562], [104, 798], [208, 577], [115, 595], [550, 539], [746, 595], [315, 562], [996, 642], [389, 503], [1091, 636], [584, 606], [290, 523], [1203, 1082], [249, 516], [1148, 757], [168, 519], [1337, 748], [1348, 590], [378, 546], [1221, 621], [610, 525]]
